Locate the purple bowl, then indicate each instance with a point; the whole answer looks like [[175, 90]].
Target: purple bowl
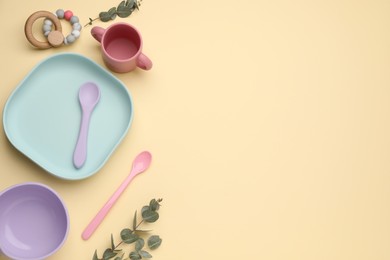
[[34, 222]]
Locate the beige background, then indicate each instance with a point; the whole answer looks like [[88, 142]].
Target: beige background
[[269, 123]]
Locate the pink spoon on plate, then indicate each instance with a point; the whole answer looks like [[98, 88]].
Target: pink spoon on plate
[[140, 164]]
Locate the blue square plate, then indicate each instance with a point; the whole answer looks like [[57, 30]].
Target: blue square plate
[[42, 116]]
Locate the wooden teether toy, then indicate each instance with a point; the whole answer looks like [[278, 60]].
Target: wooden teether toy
[[54, 38]]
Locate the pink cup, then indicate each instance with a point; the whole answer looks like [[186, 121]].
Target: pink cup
[[121, 46]]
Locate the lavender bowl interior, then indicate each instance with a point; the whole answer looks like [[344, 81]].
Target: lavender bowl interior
[[34, 221]]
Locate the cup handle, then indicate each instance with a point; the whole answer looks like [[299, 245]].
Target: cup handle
[[144, 62], [97, 33]]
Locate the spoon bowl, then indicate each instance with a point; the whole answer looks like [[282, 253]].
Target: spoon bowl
[[89, 95], [141, 162]]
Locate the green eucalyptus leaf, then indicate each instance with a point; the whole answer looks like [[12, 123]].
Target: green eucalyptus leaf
[[125, 8], [112, 11], [130, 2], [121, 4], [139, 244], [144, 208], [128, 236], [119, 257], [135, 221], [112, 243], [154, 205], [145, 254], [154, 242], [126, 232], [95, 257], [135, 256], [104, 16], [108, 254], [150, 216], [124, 13]]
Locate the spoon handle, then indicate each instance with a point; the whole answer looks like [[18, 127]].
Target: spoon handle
[[95, 222], [80, 152]]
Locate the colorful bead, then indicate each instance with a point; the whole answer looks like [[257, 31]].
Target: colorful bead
[[74, 19], [48, 22], [46, 28], [76, 33], [67, 15], [70, 38], [60, 13], [77, 26]]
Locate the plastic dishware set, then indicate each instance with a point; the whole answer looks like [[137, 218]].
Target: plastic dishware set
[[67, 115]]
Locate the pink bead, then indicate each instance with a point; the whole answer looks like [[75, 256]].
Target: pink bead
[[68, 14]]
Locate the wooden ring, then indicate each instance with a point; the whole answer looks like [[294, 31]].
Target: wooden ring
[[29, 25]]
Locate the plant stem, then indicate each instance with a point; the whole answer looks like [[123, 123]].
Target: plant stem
[[90, 21], [120, 243], [138, 225]]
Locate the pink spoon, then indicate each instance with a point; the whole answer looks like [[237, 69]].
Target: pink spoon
[[89, 95], [140, 164]]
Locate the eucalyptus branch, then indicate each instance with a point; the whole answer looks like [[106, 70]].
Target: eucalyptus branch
[[123, 10], [132, 235]]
